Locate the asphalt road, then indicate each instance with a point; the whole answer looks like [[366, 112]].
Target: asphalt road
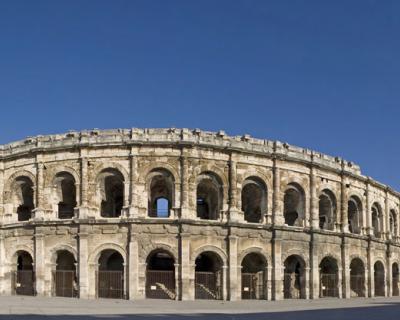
[[35, 308]]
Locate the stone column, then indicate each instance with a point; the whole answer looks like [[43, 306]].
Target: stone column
[[277, 272], [5, 288], [234, 212], [314, 210], [307, 283], [177, 281], [314, 268], [269, 283], [133, 266], [133, 200], [346, 268], [367, 213], [83, 253], [187, 280], [224, 282], [39, 262], [83, 209], [386, 218], [370, 271], [185, 212], [234, 275], [38, 211], [340, 283], [277, 207], [389, 279], [344, 219]]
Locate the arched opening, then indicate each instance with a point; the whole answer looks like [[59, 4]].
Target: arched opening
[[66, 195], [209, 196], [294, 205], [160, 276], [23, 197], [393, 223], [357, 278], [110, 276], [161, 191], [65, 282], [111, 184], [327, 210], [329, 278], [24, 276], [354, 214], [208, 276], [376, 214], [254, 275], [254, 199], [395, 280], [379, 279], [294, 278]]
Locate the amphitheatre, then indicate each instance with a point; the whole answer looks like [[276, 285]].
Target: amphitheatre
[[186, 214]]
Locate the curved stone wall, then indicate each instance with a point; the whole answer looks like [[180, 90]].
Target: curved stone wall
[[187, 214]]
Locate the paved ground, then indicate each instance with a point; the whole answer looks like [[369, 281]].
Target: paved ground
[[36, 308]]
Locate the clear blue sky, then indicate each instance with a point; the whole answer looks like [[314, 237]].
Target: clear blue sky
[[318, 74]]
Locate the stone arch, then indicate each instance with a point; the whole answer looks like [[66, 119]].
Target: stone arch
[[209, 168], [64, 194], [258, 250], [58, 169], [294, 203], [62, 247], [210, 248], [209, 195], [146, 170], [111, 191], [327, 208], [294, 280], [393, 222], [95, 255], [357, 276], [19, 194], [379, 277], [254, 274], [377, 219], [254, 199], [101, 166], [160, 187], [355, 214], [19, 248], [329, 276], [160, 275], [152, 247]]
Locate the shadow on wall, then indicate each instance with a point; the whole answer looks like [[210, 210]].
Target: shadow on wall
[[389, 311]]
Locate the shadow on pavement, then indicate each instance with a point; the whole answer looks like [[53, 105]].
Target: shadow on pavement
[[389, 311]]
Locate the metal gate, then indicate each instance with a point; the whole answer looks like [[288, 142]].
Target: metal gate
[[357, 286], [379, 279], [253, 286], [110, 284], [293, 286], [64, 284], [160, 284], [24, 282], [329, 285], [208, 285]]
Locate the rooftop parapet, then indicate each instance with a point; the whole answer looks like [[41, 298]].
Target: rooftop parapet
[[184, 136]]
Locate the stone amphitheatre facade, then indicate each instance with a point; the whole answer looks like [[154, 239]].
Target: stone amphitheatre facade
[[186, 214]]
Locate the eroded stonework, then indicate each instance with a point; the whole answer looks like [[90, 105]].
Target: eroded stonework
[[185, 214]]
